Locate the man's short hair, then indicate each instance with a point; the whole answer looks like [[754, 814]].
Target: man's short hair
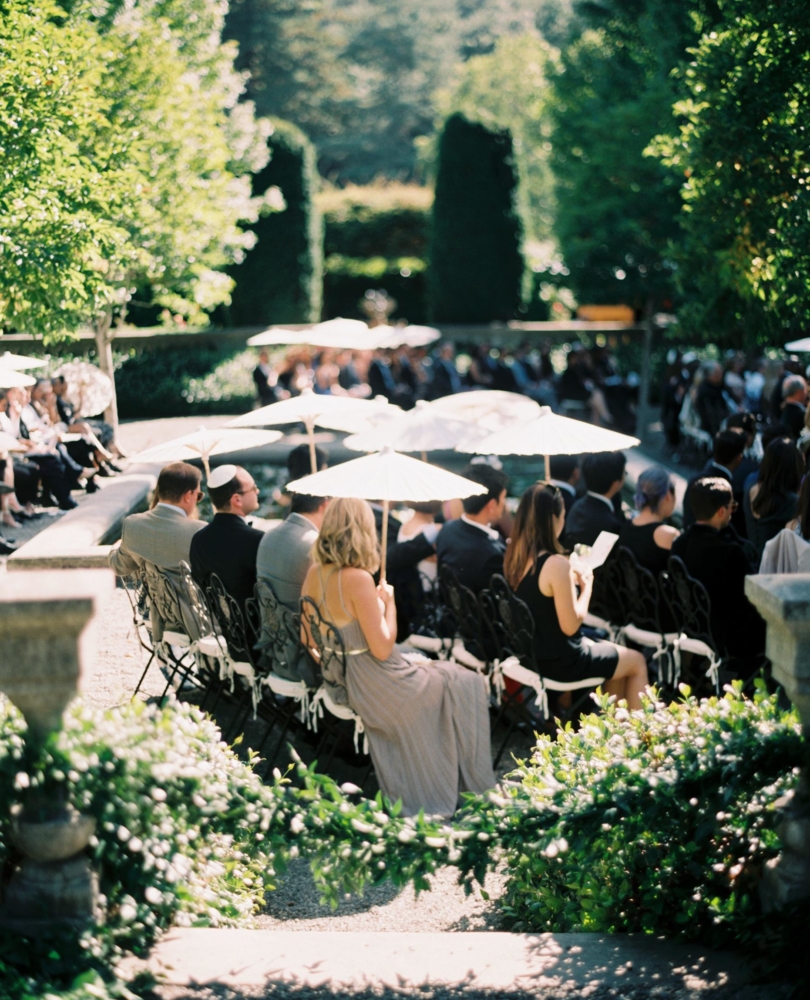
[[299, 463], [708, 495], [176, 480], [562, 467], [303, 503], [745, 421], [729, 444], [221, 495], [793, 383], [601, 471], [495, 482]]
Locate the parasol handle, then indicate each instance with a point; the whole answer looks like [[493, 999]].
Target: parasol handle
[[548, 469], [384, 541], [309, 423], [206, 466]]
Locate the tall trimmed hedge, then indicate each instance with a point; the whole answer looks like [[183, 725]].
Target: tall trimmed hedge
[[281, 278], [476, 263], [376, 220]]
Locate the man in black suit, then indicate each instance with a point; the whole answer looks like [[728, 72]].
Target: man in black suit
[[713, 555], [265, 380], [446, 380], [794, 405], [565, 474], [711, 404], [468, 546], [729, 446], [596, 511], [228, 545]]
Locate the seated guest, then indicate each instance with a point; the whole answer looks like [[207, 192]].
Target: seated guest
[[729, 446], [794, 405], [469, 546], [773, 499], [413, 577], [282, 561], [299, 464], [427, 726], [558, 596], [711, 403], [265, 380], [750, 462], [647, 537], [162, 536], [716, 558], [228, 545], [596, 512], [446, 380], [566, 474]]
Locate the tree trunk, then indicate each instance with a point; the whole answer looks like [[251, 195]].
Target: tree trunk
[[105, 363]]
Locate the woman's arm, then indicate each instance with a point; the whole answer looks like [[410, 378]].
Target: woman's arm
[[664, 535], [562, 580], [363, 599]]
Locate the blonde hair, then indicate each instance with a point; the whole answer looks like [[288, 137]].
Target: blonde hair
[[348, 536]]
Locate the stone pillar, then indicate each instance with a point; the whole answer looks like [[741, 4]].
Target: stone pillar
[[44, 643], [784, 603]]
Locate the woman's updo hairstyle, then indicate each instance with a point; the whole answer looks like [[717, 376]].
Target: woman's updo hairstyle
[[533, 530], [652, 486]]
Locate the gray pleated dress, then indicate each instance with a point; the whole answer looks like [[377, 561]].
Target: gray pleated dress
[[428, 726]]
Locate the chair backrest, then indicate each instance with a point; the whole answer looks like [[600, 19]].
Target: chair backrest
[[637, 592], [606, 599], [230, 618], [464, 616], [688, 601], [326, 643], [194, 600], [511, 620], [163, 590], [278, 628]]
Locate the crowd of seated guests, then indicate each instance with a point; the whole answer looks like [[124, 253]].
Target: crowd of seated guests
[[55, 454], [588, 386]]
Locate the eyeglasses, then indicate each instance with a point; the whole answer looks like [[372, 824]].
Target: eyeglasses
[[250, 489], [549, 486], [733, 505], [199, 497]]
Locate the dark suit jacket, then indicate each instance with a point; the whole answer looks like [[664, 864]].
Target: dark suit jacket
[[402, 571], [588, 518], [793, 419], [569, 499], [470, 553], [227, 547], [719, 562]]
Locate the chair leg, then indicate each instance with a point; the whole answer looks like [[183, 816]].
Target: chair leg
[[143, 675]]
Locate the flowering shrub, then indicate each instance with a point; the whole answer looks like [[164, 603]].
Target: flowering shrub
[[657, 821]]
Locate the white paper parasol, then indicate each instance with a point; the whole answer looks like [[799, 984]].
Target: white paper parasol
[[800, 346], [491, 409], [88, 388], [339, 413], [551, 434], [421, 429], [10, 378], [19, 361], [387, 476], [407, 336], [276, 336], [206, 443]]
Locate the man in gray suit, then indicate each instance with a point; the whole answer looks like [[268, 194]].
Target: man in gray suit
[[282, 563], [162, 536]]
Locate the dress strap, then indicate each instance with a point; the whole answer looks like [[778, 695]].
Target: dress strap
[[340, 595]]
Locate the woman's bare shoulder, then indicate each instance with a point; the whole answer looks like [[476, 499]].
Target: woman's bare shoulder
[[664, 535]]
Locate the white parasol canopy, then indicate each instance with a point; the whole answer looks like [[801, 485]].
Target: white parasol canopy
[[19, 361], [10, 378], [491, 409], [276, 336], [550, 434], [206, 443], [339, 413], [407, 336], [421, 429], [387, 476], [802, 345], [88, 388]]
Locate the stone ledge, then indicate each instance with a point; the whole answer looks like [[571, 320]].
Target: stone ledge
[[77, 540], [484, 960]]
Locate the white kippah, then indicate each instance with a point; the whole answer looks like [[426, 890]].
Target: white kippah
[[221, 475]]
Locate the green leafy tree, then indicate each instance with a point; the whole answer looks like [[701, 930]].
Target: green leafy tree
[[617, 210], [281, 278], [742, 146], [476, 264], [124, 127], [509, 89]]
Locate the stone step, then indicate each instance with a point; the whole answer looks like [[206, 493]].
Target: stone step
[[472, 960]]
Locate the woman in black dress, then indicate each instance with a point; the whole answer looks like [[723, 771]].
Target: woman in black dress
[[647, 537], [557, 595], [773, 500]]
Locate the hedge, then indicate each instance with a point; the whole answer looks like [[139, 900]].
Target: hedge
[[476, 264], [378, 220], [280, 280], [347, 279]]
